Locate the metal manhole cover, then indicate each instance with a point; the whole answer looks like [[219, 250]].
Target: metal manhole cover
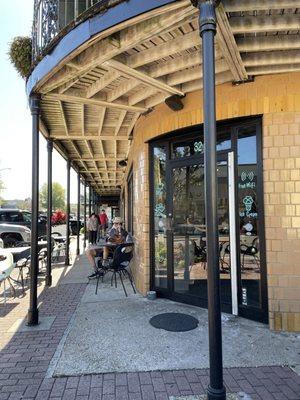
[[174, 322]]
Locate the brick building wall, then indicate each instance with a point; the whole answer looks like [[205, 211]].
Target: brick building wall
[[277, 99]]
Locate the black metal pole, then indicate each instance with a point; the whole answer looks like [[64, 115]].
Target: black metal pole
[[207, 25], [84, 217], [78, 214], [67, 257], [33, 313], [49, 213], [90, 200]]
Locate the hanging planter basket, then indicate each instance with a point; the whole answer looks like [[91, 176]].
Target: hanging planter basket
[[19, 53]]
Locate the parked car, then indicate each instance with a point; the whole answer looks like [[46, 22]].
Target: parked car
[[21, 217], [12, 234], [73, 226]]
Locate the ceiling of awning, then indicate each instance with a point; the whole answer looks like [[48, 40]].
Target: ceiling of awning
[[90, 106]]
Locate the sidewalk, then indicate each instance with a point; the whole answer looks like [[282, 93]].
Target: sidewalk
[[29, 358]]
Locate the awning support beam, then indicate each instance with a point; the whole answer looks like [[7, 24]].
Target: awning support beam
[[33, 312], [78, 215], [67, 257], [49, 213]]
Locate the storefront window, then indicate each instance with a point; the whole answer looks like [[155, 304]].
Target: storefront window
[[190, 147], [249, 215], [160, 239]]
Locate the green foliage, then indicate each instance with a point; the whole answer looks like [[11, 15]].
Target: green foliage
[[58, 196], [20, 50], [2, 187]]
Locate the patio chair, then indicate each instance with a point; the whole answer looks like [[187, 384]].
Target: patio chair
[[21, 265], [252, 250], [58, 250], [6, 267], [118, 266], [199, 255], [224, 251]]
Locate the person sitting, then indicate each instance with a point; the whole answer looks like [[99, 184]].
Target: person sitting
[[116, 235]]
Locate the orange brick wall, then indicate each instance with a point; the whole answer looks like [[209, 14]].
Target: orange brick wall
[[277, 98]]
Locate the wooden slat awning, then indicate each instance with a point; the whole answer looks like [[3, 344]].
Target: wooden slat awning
[[90, 106]]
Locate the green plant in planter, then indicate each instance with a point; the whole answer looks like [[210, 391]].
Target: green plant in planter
[[20, 54]]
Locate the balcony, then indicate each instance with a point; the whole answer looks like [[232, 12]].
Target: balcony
[[54, 18]]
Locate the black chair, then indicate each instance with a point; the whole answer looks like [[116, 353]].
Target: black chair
[[252, 250], [118, 266], [224, 251], [21, 264], [199, 254]]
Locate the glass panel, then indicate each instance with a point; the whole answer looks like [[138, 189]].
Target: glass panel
[[189, 229], [248, 216], [223, 140], [189, 253], [223, 229], [159, 203], [15, 217], [27, 216], [188, 147], [130, 202]]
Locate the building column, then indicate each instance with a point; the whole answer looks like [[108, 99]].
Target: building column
[[207, 24], [90, 200], [49, 213], [33, 313], [84, 217], [67, 257], [78, 214]]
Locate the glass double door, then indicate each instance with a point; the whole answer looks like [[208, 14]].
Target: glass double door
[[178, 225], [186, 233]]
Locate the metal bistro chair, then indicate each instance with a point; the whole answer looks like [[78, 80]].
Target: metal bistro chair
[[199, 254], [118, 266], [252, 251], [6, 267], [21, 264]]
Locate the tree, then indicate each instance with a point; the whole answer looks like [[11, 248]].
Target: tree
[[58, 196], [2, 187]]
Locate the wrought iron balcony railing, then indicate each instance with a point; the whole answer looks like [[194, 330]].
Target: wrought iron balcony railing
[[51, 17]]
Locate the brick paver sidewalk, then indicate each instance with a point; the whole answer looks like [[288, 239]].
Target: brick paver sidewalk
[[25, 357]]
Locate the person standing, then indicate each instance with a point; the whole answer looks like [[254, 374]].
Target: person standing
[[92, 227], [103, 223]]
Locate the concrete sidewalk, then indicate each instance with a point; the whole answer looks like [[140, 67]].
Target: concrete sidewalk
[[83, 323]]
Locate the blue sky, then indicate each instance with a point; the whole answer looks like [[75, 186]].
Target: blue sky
[[15, 132]]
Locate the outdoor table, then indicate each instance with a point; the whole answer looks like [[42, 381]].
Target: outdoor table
[[25, 251], [59, 239]]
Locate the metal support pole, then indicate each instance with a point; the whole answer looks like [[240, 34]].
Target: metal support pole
[[84, 217], [207, 24], [78, 214], [49, 213], [33, 313], [67, 257], [90, 200]]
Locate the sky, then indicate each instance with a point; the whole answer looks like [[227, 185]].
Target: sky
[[15, 131]]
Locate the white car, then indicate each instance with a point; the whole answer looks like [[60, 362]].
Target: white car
[[12, 234]]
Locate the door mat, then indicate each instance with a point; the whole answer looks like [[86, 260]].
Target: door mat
[[174, 322]]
